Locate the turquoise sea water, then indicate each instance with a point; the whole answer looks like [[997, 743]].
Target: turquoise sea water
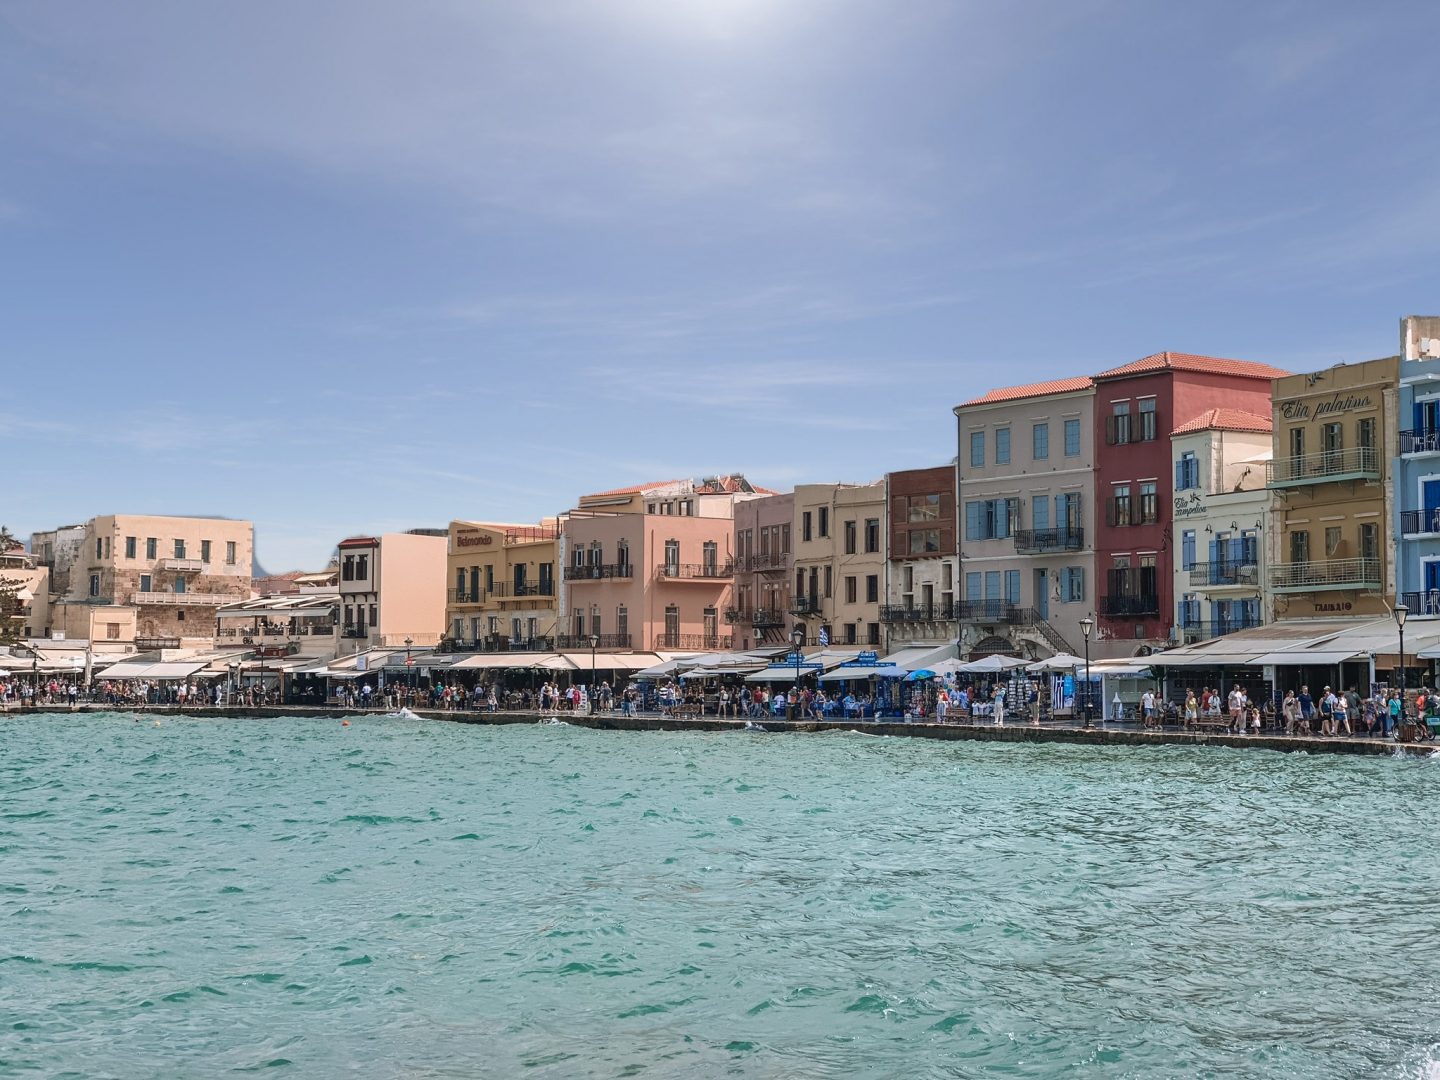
[[418, 899]]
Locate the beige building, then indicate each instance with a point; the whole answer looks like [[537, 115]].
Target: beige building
[[173, 572], [392, 587], [27, 611], [501, 591], [839, 543], [1334, 440]]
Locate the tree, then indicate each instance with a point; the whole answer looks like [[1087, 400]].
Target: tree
[[12, 621]]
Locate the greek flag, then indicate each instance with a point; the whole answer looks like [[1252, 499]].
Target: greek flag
[[824, 637]]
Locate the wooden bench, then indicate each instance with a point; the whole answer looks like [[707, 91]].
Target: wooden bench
[[690, 711], [1217, 721]]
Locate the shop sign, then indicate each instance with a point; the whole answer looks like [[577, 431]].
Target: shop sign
[[1305, 410], [483, 540], [1189, 505]]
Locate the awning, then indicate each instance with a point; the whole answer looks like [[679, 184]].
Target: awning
[[914, 657], [840, 674], [512, 660], [778, 675], [1305, 657], [133, 670], [124, 670]]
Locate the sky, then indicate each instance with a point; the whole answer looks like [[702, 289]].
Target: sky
[[347, 267]]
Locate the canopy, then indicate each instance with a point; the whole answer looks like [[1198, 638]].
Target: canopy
[[608, 661], [922, 674], [1059, 662], [508, 660], [991, 664], [1305, 657], [922, 656], [842, 673], [147, 670]]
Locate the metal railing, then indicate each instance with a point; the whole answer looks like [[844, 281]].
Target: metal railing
[[582, 641], [1413, 522], [465, 596], [993, 611], [760, 564], [1220, 627], [1123, 606], [695, 571], [597, 571], [1326, 574], [1224, 573], [355, 632], [146, 643], [506, 590], [1357, 463], [184, 599], [805, 605], [1039, 541], [901, 613], [693, 641], [493, 643], [1422, 602], [534, 534], [1420, 441]]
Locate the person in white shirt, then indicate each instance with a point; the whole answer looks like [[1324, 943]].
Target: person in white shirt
[[1147, 707]]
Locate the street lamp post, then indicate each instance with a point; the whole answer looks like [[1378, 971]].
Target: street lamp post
[[797, 639], [1401, 611], [409, 669], [1086, 625], [594, 641], [234, 670]]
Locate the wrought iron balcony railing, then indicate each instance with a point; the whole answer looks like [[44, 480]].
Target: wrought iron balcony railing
[[465, 596], [693, 641], [1420, 441], [1224, 573], [1125, 606], [582, 641], [805, 605], [598, 571], [1040, 541], [695, 571], [1416, 522], [901, 613], [993, 611]]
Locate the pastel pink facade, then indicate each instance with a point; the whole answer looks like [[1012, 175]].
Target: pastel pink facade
[[647, 581], [764, 567]]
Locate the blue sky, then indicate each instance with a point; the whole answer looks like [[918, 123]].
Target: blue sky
[[347, 266]]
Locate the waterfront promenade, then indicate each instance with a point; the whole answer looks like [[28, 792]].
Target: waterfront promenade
[[1112, 734]]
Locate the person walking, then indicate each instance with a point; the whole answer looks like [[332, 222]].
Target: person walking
[[1290, 710], [1192, 709]]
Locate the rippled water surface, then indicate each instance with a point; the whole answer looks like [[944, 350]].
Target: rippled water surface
[[405, 898]]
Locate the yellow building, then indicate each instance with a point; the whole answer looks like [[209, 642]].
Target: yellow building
[[840, 562], [1334, 437], [501, 589]]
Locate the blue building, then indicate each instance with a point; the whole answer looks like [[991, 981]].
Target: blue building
[[1416, 471]]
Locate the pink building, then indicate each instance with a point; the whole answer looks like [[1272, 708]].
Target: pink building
[[764, 567], [647, 581]]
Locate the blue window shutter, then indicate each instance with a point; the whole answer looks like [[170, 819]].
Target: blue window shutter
[[1214, 551], [972, 586], [972, 520], [1040, 512]]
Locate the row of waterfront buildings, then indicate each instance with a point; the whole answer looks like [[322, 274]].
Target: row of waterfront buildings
[[1170, 500]]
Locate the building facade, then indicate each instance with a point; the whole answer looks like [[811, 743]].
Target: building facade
[[647, 581], [1222, 514], [1335, 438], [392, 587], [1027, 496], [922, 569], [175, 572], [1136, 407], [764, 567], [503, 586], [25, 606], [1415, 519], [839, 532]]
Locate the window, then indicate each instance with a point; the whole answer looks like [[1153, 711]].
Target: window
[[145, 583], [112, 631], [1040, 511], [1187, 549], [977, 449], [1067, 510], [849, 538], [99, 548], [152, 547], [972, 585], [873, 635], [1149, 503], [1119, 424], [1299, 547], [622, 623], [130, 547], [1072, 438], [1072, 584], [805, 525], [672, 557], [362, 567], [872, 535], [1149, 421], [94, 584], [850, 590], [829, 582], [924, 508], [180, 615], [872, 588], [991, 519], [924, 541], [824, 521], [1297, 442], [1120, 505], [179, 584], [710, 557], [1187, 472], [205, 551], [1369, 541], [852, 633], [230, 552], [1333, 543], [179, 549], [1012, 587], [1002, 446], [1332, 444], [347, 568], [785, 539], [1040, 442], [1365, 433], [374, 615]]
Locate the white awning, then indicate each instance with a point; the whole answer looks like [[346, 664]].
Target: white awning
[[511, 660], [916, 657], [1305, 657], [840, 674], [133, 670]]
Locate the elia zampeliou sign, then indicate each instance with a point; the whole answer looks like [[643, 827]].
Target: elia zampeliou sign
[[1318, 410]]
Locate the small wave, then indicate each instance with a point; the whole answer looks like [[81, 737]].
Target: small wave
[[554, 721], [405, 714]]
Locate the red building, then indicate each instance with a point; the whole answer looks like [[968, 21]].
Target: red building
[[1136, 408]]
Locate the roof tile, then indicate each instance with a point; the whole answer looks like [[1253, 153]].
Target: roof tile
[[1226, 420], [1031, 390], [1210, 365]]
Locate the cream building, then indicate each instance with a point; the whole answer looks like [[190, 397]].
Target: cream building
[[392, 587], [502, 591], [1222, 518], [28, 614], [839, 543]]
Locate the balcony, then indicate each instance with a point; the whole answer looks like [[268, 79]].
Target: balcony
[[1420, 441], [582, 641], [900, 613], [1328, 466], [465, 596], [598, 571], [805, 605], [695, 571], [504, 590], [182, 566], [1130, 606], [1220, 574], [762, 564], [184, 599], [1331, 574], [709, 642], [355, 632], [1219, 627], [1044, 541], [149, 644], [1419, 522], [1422, 603], [993, 611]]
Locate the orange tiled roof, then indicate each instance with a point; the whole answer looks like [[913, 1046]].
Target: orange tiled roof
[[1039, 389], [1226, 420], [633, 489], [1210, 365]]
